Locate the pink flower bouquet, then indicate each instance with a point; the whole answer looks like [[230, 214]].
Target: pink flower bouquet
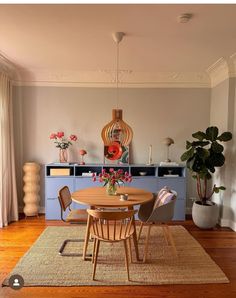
[[60, 140], [113, 177]]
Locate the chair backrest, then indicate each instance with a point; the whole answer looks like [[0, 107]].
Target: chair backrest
[[112, 225], [64, 197], [164, 212]]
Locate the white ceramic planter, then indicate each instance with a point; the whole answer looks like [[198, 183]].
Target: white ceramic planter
[[205, 217]]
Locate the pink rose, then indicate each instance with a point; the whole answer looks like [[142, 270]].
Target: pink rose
[[73, 138], [120, 171], [60, 134], [100, 180], [111, 170], [53, 136]]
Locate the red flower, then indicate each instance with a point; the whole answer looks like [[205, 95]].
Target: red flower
[[73, 138], [60, 134], [94, 179], [53, 136]]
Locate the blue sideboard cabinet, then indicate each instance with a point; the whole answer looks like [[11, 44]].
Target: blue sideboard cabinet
[[152, 178]]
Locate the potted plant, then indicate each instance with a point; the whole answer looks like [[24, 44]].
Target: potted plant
[[203, 155]]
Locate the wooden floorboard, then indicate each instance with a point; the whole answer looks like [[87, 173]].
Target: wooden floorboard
[[219, 243]]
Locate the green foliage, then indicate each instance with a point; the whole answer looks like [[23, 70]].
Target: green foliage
[[205, 154]]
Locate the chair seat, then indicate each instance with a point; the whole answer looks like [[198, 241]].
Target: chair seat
[[111, 236], [77, 215]]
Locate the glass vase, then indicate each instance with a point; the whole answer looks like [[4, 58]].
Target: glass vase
[[63, 155], [111, 189]]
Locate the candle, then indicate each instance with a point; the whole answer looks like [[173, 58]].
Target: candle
[[150, 154]]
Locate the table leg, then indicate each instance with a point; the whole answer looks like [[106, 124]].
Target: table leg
[[135, 240], [86, 237]]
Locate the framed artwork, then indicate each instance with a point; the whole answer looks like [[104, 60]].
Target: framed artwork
[[116, 154]]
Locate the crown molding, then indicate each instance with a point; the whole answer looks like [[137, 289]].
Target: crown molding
[[224, 68], [218, 71], [8, 68], [232, 70], [106, 78]]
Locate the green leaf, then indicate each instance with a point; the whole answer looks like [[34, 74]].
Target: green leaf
[[225, 136], [215, 160], [200, 143], [202, 153], [222, 188], [216, 147], [212, 133], [187, 155], [188, 145], [198, 165], [200, 135], [217, 189]]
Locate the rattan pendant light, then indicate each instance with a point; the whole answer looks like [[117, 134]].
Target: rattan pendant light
[[117, 130]]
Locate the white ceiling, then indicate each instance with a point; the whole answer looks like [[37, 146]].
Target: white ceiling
[[77, 38]]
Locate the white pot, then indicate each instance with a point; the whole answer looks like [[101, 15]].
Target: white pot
[[205, 216]]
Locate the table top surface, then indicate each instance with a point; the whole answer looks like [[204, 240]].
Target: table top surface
[[97, 196]]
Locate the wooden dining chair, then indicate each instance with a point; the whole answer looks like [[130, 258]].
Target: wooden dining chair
[[111, 226], [74, 216]]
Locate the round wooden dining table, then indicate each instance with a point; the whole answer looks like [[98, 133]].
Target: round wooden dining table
[[96, 197]]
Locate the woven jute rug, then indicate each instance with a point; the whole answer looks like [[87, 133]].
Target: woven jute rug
[[43, 266]]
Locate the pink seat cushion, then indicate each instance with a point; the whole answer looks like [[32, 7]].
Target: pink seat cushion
[[164, 196]]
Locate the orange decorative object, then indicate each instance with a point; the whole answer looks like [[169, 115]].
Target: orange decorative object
[[82, 152], [117, 130], [114, 151]]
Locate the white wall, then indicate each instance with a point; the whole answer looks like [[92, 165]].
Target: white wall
[[223, 111], [153, 115]]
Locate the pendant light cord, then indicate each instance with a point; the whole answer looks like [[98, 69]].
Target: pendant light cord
[[117, 74]]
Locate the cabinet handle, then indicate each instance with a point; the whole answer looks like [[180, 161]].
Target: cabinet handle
[[50, 199]]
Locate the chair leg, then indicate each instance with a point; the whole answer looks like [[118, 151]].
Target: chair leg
[[126, 259], [171, 240], [140, 231], [96, 256], [61, 250], [146, 244], [130, 250], [94, 249]]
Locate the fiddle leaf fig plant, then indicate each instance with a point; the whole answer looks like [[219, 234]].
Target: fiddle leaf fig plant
[[203, 155]]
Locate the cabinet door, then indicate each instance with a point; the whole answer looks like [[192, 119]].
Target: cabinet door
[[147, 183], [179, 210], [52, 186], [85, 182]]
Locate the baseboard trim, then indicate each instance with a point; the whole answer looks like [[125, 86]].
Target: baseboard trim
[[228, 223]]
